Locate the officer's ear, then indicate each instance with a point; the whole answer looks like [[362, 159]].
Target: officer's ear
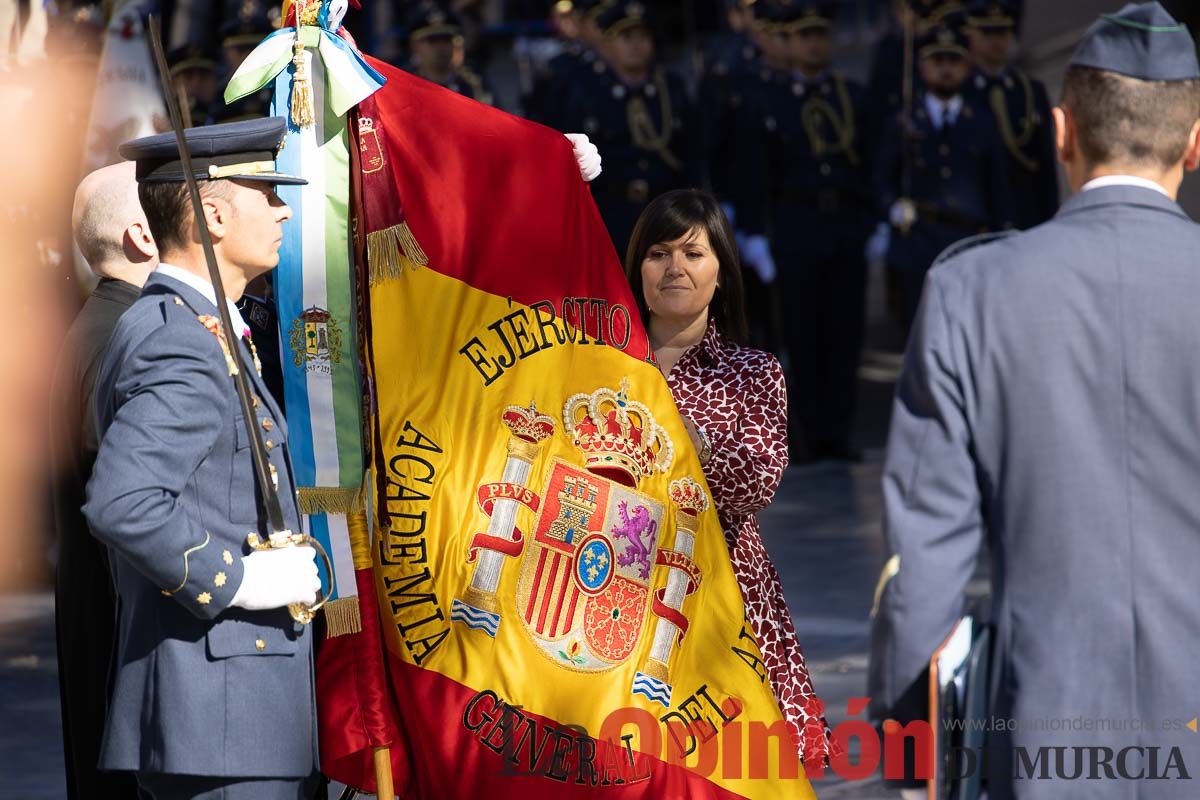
[[1064, 134], [216, 211], [1191, 157], [138, 244]]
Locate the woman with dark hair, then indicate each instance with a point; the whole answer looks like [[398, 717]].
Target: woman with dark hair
[[683, 267]]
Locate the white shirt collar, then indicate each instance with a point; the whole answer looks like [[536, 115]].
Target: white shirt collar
[[943, 112], [1124, 180], [205, 288]]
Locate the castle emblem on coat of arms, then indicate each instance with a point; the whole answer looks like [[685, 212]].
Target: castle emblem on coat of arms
[[594, 574], [316, 340]]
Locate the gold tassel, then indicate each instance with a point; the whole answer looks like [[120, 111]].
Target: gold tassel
[[325, 500], [303, 114], [392, 249], [342, 616]]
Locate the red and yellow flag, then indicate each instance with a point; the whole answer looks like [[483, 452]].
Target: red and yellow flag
[[556, 605]]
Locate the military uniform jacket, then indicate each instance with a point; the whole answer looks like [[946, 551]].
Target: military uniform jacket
[[200, 688], [1020, 109], [959, 182], [1048, 405], [807, 165]]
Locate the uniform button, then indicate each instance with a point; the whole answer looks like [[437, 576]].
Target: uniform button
[[618, 91], [825, 170], [651, 90], [946, 173], [270, 445], [260, 645], [944, 149], [268, 425], [254, 400], [798, 89]]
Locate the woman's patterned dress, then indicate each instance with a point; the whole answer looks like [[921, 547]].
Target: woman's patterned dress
[[737, 396]]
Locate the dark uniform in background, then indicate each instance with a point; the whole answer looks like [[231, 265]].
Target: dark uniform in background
[[957, 181], [239, 36], [194, 75], [644, 129], [1020, 109], [431, 25], [813, 194], [731, 62], [85, 604], [554, 81]]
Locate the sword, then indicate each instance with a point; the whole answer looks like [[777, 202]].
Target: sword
[[280, 535]]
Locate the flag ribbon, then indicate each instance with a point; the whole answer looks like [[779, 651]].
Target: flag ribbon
[[315, 288]]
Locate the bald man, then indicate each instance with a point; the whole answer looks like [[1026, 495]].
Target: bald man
[[111, 233]]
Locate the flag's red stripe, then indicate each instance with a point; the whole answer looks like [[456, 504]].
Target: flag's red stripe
[[565, 583], [541, 623], [533, 589]]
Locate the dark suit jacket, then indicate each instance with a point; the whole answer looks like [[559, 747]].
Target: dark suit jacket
[[85, 602]]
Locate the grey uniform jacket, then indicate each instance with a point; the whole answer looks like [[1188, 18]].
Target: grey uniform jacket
[[200, 688], [1050, 406]]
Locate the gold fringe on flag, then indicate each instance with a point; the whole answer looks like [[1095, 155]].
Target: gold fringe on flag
[[392, 249], [327, 500], [342, 616]]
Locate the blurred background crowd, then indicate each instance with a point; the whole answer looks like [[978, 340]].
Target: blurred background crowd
[[849, 141]]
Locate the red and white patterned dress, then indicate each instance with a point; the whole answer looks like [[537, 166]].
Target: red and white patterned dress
[[737, 396]]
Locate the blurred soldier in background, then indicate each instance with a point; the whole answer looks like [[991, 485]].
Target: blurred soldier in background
[[239, 36], [811, 188], [437, 52], [732, 99], [194, 76], [1020, 110], [640, 117], [941, 171]]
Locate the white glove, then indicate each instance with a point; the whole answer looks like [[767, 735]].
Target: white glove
[[586, 154], [758, 255], [877, 245], [903, 214], [276, 578]]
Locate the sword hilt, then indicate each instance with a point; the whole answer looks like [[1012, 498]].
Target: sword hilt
[[301, 612]]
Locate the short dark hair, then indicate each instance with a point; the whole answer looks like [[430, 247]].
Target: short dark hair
[[673, 215], [1123, 120], [168, 210]]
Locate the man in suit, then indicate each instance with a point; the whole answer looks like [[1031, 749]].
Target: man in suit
[[213, 690], [113, 237], [1019, 108], [940, 173], [1047, 406]]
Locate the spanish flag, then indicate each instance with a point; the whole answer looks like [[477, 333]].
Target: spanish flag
[[555, 604]]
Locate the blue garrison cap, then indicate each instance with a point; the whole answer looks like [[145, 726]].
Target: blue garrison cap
[[235, 150], [1141, 41]]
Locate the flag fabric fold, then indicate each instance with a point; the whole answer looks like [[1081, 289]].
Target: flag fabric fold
[[555, 599]]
